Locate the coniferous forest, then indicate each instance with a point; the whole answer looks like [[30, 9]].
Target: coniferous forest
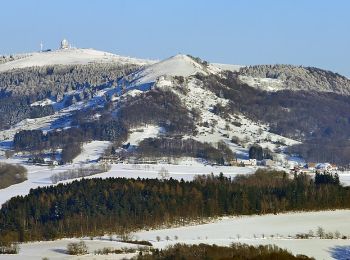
[[120, 205]]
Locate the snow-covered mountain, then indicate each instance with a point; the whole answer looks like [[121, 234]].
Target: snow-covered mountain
[[212, 96], [177, 118]]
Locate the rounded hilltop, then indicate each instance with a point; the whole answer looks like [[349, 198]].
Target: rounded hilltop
[[67, 55]]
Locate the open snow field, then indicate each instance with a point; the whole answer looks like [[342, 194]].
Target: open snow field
[[255, 230], [57, 250]]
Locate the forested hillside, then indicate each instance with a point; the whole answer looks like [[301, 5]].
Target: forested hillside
[[318, 119], [214, 252], [186, 98], [22, 87], [54, 81], [122, 205]]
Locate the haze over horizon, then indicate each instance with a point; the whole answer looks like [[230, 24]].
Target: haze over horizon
[[308, 33]]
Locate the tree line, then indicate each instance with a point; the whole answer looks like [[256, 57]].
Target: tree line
[[214, 252], [177, 147], [334, 150], [120, 205]]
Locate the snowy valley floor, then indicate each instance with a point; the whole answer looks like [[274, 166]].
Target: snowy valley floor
[[255, 230], [186, 169]]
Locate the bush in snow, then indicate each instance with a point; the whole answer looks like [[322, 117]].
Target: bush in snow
[[77, 248]]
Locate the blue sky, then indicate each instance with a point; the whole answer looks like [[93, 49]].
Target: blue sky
[[300, 32]]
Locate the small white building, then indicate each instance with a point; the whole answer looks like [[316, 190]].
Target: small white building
[[64, 45], [253, 162]]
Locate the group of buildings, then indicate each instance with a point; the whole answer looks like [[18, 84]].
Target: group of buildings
[[313, 167], [253, 162]]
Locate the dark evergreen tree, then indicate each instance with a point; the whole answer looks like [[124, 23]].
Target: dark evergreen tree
[[256, 152]]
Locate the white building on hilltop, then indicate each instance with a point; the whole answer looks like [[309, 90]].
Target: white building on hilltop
[[64, 45]]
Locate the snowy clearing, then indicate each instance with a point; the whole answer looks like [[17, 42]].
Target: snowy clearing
[[92, 151], [267, 84], [139, 134]]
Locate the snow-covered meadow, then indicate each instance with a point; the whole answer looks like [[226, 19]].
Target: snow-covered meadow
[[57, 250], [278, 229]]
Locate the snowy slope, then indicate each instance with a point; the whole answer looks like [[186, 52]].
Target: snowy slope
[[179, 65], [139, 134], [222, 128], [69, 57]]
